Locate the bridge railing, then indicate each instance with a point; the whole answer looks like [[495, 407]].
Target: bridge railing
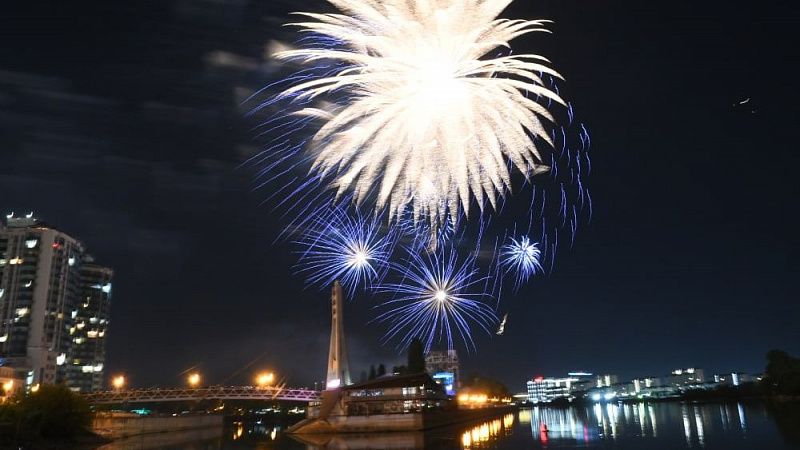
[[202, 393]]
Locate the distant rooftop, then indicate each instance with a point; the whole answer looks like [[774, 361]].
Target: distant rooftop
[[392, 381]]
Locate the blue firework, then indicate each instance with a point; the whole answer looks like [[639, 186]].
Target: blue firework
[[521, 256], [344, 247], [437, 299]]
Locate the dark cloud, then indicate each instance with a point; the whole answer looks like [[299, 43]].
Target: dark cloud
[[123, 125]]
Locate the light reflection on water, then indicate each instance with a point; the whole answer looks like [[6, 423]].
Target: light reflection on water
[[655, 426]]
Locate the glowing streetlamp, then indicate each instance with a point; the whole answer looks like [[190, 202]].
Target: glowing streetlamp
[[265, 379], [194, 379], [8, 386], [118, 382]]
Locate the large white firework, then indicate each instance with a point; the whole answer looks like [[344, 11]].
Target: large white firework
[[426, 105]]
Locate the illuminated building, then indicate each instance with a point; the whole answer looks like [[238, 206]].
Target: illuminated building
[[91, 325], [607, 380], [41, 287], [444, 368], [734, 378], [685, 377], [545, 390], [447, 380]]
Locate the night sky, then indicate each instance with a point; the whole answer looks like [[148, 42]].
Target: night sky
[[121, 124]]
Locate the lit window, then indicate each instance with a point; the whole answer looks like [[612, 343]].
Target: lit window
[[4, 337], [31, 243], [60, 359], [15, 261], [22, 312], [71, 261]]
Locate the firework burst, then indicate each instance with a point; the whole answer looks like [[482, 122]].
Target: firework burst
[[522, 257], [338, 246], [428, 111], [436, 300]]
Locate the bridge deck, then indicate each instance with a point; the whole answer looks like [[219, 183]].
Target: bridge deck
[[205, 393]]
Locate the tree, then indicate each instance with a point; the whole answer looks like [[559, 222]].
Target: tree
[[490, 387], [381, 370], [53, 411], [416, 356], [372, 372], [782, 374]]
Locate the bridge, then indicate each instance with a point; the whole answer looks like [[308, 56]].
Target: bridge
[[338, 373], [204, 393]]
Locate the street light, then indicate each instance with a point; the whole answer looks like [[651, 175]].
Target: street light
[[265, 379], [118, 382], [194, 379]]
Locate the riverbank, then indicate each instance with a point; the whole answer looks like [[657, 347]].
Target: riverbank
[[116, 425]]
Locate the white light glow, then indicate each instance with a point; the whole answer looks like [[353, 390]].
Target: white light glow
[[438, 108]]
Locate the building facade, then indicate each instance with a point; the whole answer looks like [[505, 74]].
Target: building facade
[[86, 368], [686, 377], [41, 286], [545, 390], [443, 366]]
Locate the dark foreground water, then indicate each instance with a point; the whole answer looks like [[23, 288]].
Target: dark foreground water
[[659, 426]]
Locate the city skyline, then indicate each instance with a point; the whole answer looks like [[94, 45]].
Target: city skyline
[[688, 260]]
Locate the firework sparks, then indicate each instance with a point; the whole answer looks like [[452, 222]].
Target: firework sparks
[[521, 256], [352, 250], [436, 300], [428, 112]]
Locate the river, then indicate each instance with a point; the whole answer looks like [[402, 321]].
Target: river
[[643, 426]]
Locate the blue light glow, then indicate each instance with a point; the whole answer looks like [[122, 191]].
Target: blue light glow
[[337, 246], [521, 256], [436, 299]]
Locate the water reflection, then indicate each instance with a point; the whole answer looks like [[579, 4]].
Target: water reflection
[[656, 426], [473, 436], [611, 421]]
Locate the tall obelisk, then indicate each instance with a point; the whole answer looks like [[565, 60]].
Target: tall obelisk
[[338, 368]]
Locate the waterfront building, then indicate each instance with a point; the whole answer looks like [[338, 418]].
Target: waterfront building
[[734, 378], [443, 366], [640, 384], [394, 394], [685, 377], [545, 390], [606, 380], [41, 286]]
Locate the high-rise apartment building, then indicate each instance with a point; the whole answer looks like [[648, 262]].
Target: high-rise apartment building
[[43, 277], [91, 324]]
